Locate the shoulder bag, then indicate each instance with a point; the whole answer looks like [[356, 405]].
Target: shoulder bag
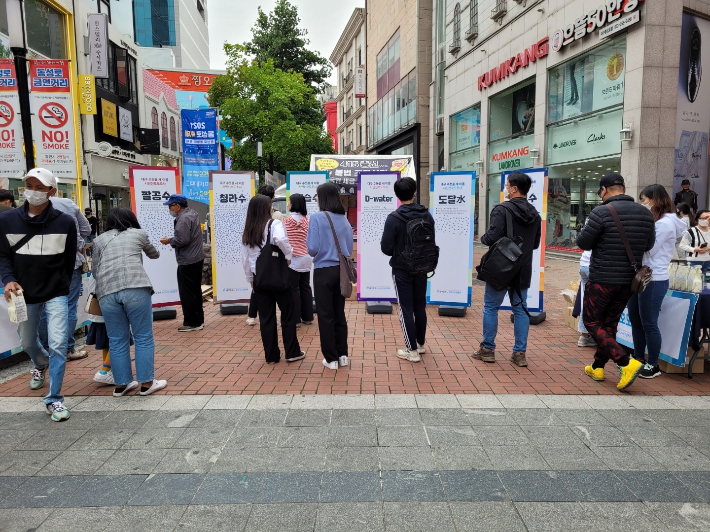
[[271, 267], [92, 302], [643, 273], [348, 275]]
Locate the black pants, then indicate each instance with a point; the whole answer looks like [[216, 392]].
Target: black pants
[[601, 311], [411, 300], [253, 307], [302, 295], [330, 307], [189, 278], [267, 302]]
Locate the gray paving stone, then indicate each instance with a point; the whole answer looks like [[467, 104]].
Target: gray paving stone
[[489, 416], [79, 421], [696, 436], [153, 438], [130, 420], [281, 517], [14, 438], [102, 439], [486, 517], [538, 417], [362, 436], [596, 486], [681, 516], [679, 458], [554, 516], [353, 417], [216, 419], [627, 459], [405, 486], [653, 436], [461, 458], [187, 461], [114, 490], [202, 438], [417, 517], [30, 421], [354, 486], [289, 487], [443, 416], [303, 437], [501, 435], [229, 488], [350, 517], [22, 519], [389, 417], [133, 462], [352, 459], [553, 437], [291, 460], [600, 436], [442, 436], [78, 519], [657, 486], [42, 492], [146, 518], [581, 417], [10, 484], [535, 486], [254, 437], [243, 459], [573, 459], [614, 516], [59, 441], [173, 419], [473, 486], [308, 418], [224, 517], [263, 418], [680, 418], [629, 417], [159, 490], [406, 459], [25, 463], [698, 481], [401, 436], [76, 463], [516, 457]]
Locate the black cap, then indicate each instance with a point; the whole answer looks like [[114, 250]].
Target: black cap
[[685, 182], [610, 180]]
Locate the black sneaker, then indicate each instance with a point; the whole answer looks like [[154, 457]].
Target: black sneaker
[[648, 371]]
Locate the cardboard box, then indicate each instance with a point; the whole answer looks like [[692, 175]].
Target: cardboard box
[[353, 296], [571, 321], [698, 367]]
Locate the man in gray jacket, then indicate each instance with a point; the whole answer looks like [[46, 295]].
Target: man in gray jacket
[[190, 256]]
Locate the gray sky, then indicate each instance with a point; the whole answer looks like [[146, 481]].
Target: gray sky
[[232, 20]]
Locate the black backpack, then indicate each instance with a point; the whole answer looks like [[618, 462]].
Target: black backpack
[[271, 267], [421, 254]]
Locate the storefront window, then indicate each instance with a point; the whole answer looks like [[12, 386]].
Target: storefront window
[[512, 113], [3, 21], [46, 31], [396, 110], [465, 129]]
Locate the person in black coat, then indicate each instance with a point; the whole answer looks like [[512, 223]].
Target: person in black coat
[[526, 225], [611, 272], [687, 196]]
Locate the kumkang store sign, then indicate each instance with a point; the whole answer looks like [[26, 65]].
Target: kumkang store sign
[[511, 66]]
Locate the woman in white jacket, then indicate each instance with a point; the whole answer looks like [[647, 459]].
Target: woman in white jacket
[[645, 307], [696, 242]]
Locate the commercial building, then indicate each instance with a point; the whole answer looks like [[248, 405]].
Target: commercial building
[[350, 57], [580, 88]]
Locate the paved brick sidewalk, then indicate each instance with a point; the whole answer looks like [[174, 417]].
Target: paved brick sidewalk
[[226, 358]]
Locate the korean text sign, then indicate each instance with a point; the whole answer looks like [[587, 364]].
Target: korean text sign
[[11, 154], [200, 150], [305, 183]]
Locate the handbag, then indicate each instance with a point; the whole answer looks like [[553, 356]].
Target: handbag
[[348, 275], [643, 273], [92, 305], [271, 267]]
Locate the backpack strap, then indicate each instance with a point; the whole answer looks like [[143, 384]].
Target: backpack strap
[[399, 217], [508, 220], [335, 235]]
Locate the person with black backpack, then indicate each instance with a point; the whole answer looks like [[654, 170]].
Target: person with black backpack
[[408, 238], [513, 234]]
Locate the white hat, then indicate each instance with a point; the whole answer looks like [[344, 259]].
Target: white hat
[[45, 176]]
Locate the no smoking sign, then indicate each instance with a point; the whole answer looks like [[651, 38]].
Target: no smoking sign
[[53, 115], [7, 114]]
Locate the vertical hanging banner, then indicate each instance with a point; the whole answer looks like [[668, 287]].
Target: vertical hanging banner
[[151, 186], [537, 196], [200, 152], [230, 193], [87, 94], [12, 160], [98, 44], [305, 183], [53, 116], [375, 202], [452, 199]]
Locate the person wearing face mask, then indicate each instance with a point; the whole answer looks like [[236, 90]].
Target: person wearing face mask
[[37, 252], [190, 256], [696, 242], [686, 216], [611, 273]]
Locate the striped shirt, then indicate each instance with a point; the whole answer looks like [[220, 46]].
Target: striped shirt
[[297, 230]]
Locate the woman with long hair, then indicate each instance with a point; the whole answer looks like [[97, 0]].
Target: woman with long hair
[[322, 246], [645, 307], [124, 293], [259, 229], [301, 263]]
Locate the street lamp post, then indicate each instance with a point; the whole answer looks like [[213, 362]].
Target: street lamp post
[[18, 47], [258, 156]]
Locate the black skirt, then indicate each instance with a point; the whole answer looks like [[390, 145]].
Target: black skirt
[[98, 337]]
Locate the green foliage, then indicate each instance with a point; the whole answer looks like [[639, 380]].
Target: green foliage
[[259, 102]]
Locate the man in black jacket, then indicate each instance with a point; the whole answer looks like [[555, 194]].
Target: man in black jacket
[[687, 196], [527, 226], [410, 289], [610, 273]]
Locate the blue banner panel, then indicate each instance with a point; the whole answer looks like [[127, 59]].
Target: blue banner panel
[[200, 152]]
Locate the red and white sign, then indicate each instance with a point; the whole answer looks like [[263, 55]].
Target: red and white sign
[[53, 118], [12, 159], [511, 66], [360, 89]]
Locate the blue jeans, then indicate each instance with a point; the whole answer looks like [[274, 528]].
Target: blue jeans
[[126, 311], [56, 357], [89, 240], [75, 290], [644, 309], [492, 300], [704, 263]]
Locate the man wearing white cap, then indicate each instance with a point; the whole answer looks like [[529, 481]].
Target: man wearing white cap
[[37, 252]]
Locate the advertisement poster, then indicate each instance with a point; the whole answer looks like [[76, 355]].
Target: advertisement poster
[[151, 186], [375, 202], [200, 151], [693, 109], [12, 159], [125, 121], [344, 169], [305, 183], [230, 193], [538, 197], [53, 116], [451, 202], [675, 322]]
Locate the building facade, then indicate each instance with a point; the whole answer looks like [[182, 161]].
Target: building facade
[[577, 87], [350, 58], [399, 39]]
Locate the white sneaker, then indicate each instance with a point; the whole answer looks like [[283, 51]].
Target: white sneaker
[[251, 321], [330, 365], [157, 385], [104, 378], [421, 349], [131, 386], [406, 354], [343, 360], [586, 341]]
